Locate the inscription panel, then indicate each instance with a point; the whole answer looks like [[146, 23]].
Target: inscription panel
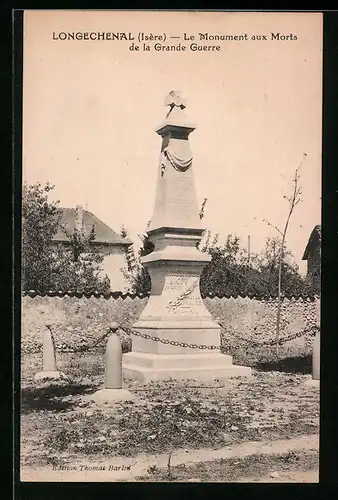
[[178, 281], [183, 294]]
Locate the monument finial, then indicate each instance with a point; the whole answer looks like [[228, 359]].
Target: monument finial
[[175, 98], [175, 118]]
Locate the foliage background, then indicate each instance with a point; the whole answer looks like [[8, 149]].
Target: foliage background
[[232, 270], [49, 266], [76, 266]]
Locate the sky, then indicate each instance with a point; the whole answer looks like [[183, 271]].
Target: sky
[[90, 110]]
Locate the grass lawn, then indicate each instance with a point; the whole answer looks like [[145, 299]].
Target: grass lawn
[[59, 424], [231, 470]]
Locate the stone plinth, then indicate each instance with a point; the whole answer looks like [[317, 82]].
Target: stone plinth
[[175, 311]]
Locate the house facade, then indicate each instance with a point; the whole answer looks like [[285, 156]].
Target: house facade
[[112, 245], [312, 255]]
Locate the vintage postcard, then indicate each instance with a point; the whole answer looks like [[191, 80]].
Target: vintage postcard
[[171, 246]]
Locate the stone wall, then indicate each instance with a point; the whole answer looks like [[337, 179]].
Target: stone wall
[[80, 319], [74, 319], [258, 317]]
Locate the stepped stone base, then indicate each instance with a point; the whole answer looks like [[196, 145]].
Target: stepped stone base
[[147, 367]]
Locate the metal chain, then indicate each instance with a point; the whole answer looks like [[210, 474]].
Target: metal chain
[[174, 343], [81, 348], [129, 331], [214, 347], [288, 338]]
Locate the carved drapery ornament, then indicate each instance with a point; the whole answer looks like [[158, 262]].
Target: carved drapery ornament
[[179, 160]]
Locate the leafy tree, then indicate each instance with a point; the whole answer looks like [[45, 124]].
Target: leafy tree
[[40, 222], [231, 271], [228, 272], [312, 284], [49, 266], [271, 270]]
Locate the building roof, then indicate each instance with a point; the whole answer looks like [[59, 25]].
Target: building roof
[[103, 233], [315, 238]]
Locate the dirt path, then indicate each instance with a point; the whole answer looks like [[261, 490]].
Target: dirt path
[[112, 469]]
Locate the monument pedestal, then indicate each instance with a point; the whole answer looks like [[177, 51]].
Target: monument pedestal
[[185, 338], [205, 367], [176, 315]]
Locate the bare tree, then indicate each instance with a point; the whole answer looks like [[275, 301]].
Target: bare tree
[[293, 200]]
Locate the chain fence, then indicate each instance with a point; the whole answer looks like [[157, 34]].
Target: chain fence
[[309, 331], [174, 343], [65, 347]]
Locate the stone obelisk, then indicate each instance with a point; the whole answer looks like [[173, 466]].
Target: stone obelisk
[[175, 310]]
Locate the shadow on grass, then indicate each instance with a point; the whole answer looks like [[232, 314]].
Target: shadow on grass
[[52, 398], [301, 364]]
